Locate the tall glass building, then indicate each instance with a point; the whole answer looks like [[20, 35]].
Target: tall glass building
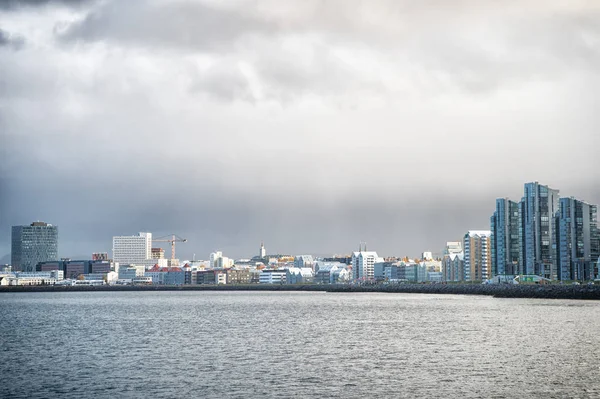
[[505, 245], [539, 230], [31, 244], [578, 240]]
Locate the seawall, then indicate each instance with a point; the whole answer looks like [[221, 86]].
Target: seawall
[[591, 292]]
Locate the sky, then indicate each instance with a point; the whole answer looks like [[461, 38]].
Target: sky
[[310, 125]]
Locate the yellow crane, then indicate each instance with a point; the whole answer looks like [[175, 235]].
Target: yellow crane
[[172, 238]]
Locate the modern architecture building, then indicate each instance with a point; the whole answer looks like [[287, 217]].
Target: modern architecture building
[[540, 206], [577, 250], [131, 250], [363, 264], [505, 244], [477, 255], [31, 244]]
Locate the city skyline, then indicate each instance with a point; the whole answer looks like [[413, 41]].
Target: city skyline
[[292, 122]]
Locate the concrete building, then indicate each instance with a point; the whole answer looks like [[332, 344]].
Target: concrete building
[[504, 240], [540, 206], [131, 272], [273, 276], [132, 250], [453, 262], [578, 248], [206, 276], [238, 276], [303, 261], [453, 267], [100, 256], [157, 253], [477, 255], [297, 275], [32, 244], [363, 265]]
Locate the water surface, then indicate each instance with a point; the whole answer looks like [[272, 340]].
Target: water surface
[[296, 344]]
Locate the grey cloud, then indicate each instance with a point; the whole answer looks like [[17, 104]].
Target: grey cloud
[[174, 24], [440, 114], [19, 4], [13, 41]]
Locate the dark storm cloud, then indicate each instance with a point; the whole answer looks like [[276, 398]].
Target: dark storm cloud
[[11, 40], [18, 4], [311, 125]]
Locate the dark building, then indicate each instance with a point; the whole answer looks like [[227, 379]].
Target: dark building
[[32, 244]]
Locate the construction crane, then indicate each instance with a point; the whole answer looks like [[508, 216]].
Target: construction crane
[[172, 238]]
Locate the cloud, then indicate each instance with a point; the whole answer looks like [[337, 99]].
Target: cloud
[[12, 41], [174, 24], [312, 125], [11, 5]]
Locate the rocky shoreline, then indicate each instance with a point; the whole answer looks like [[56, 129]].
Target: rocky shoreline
[[588, 292]]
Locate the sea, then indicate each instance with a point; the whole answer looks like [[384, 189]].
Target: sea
[[296, 345]]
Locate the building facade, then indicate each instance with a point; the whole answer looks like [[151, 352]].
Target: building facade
[[363, 265], [577, 250], [129, 250], [539, 230], [32, 244], [477, 255], [505, 244]]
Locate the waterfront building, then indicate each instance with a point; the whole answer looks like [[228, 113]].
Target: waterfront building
[[74, 268], [453, 262], [132, 250], [238, 276], [272, 276], [302, 261], [299, 275], [477, 255], [453, 266], [504, 239], [540, 206], [131, 272], [34, 278], [363, 264], [577, 250], [32, 244], [205, 276]]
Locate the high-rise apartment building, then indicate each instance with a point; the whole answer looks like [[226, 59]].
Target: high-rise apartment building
[[363, 264], [478, 257], [132, 250], [540, 205], [31, 244], [578, 240], [504, 240]]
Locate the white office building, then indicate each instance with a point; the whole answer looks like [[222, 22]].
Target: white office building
[[128, 250]]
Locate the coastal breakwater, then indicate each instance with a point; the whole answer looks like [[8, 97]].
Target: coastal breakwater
[[553, 291]]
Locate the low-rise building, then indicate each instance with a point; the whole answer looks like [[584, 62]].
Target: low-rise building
[[238, 276], [296, 275], [273, 276]]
